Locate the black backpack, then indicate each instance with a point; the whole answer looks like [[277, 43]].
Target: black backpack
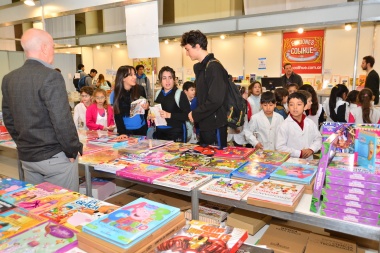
[[75, 82], [236, 106]]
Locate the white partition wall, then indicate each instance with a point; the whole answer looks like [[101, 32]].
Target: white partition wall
[[171, 55], [4, 68], [66, 63], [120, 57], [102, 60], [16, 59]]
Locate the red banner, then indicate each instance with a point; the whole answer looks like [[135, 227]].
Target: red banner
[[304, 51]]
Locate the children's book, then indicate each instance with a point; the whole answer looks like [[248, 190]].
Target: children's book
[[215, 172], [182, 180], [89, 148], [190, 161], [312, 162], [46, 237], [136, 107], [176, 147], [145, 172], [100, 156], [9, 185], [278, 192], [366, 149], [269, 156], [79, 212], [114, 165], [208, 215], [254, 171], [155, 111], [31, 193], [132, 222], [294, 173], [226, 163], [159, 157], [144, 145], [5, 137], [198, 236], [227, 188], [16, 221], [5, 206], [135, 157], [234, 152]]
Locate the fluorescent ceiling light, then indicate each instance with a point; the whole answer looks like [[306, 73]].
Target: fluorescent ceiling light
[[29, 2]]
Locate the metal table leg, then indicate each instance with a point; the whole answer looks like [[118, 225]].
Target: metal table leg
[[20, 170], [87, 175], [194, 204]]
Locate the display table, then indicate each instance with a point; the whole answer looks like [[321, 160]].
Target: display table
[[323, 94]]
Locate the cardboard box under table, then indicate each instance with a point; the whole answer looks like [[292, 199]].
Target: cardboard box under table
[[250, 221]]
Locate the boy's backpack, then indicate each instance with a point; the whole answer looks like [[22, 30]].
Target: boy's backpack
[[82, 82], [235, 104]]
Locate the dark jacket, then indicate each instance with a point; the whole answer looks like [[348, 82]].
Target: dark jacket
[[211, 94], [294, 78], [36, 113], [372, 82]]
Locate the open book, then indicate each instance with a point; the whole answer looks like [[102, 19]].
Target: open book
[[155, 110]]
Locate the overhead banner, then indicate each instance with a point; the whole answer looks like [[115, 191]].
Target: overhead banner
[[304, 51]]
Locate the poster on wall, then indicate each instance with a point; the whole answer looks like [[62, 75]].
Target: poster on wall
[[304, 51], [262, 63], [150, 64]]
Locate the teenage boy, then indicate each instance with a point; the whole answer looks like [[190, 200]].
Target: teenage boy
[[298, 134], [189, 89], [212, 83], [264, 124]]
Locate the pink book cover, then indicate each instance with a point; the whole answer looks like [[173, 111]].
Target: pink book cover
[[145, 172], [100, 156], [28, 194], [159, 157], [91, 148], [234, 152]]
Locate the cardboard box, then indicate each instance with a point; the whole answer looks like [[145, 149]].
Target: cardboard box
[[284, 239], [250, 221], [326, 244], [125, 197], [93, 244], [171, 199], [101, 188], [275, 206]]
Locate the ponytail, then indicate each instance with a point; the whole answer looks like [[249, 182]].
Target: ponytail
[[365, 98], [337, 91]]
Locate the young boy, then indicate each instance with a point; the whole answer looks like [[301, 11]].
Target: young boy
[[264, 124], [189, 89], [298, 134], [292, 87]]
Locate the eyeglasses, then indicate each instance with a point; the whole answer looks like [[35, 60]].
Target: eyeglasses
[[100, 98]]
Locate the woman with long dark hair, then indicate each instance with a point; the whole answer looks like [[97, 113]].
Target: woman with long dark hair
[[336, 107]]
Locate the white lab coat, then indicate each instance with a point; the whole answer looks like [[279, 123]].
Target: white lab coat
[[80, 116], [339, 102], [357, 113], [315, 118], [266, 131], [292, 139], [254, 102]]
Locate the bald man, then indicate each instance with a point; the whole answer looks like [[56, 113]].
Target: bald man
[[36, 113]]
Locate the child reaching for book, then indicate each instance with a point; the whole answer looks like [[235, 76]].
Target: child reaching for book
[[255, 90], [297, 134], [365, 112], [281, 95], [81, 108], [264, 123], [99, 115]]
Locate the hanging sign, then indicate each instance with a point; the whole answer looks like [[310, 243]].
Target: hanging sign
[[304, 51]]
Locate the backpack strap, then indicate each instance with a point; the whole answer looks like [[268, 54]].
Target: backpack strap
[[177, 96]]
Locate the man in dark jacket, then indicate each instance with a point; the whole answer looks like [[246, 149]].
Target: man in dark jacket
[[372, 80], [36, 114], [290, 77], [211, 89]]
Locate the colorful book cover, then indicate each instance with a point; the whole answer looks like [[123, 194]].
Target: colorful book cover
[[375, 129], [100, 156], [269, 156], [215, 172], [114, 165], [46, 237], [9, 185], [16, 221], [294, 173], [182, 180], [254, 171], [159, 157], [136, 107], [144, 172], [5, 206], [91, 148], [345, 160], [227, 188], [144, 145], [366, 149], [9, 144], [198, 236], [132, 222], [79, 212], [312, 162], [208, 215], [276, 191], [31, 193], [190, 161], [176, 147], [5, 137], [226, 163], [234, 152]]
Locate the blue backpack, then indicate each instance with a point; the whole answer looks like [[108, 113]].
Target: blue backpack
[[82, 82]]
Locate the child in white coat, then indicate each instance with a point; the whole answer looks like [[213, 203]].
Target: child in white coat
[[261, 129], [298, 134]]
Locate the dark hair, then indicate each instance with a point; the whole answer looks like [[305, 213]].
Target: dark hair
[[139, 66], [337, 91], [87, 89], [250, 87], [352, 97], [365, 98], [187, 85], [242, 90], [267, 97], [279, 94], [98, 90], [58, 70], [194, 37], [93, 71], [286, 64], [369, 59], [314, 98], [167, 69], [120, 91], [292, 85], [299, 96], [80, 66]]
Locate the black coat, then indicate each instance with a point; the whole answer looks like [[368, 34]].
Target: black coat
[[372, 82]]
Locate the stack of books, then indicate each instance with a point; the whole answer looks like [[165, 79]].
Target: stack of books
[[227, 188], [269, 156], [182, 180], [295, 173], [253, 171], [145, 172], [208, 215]]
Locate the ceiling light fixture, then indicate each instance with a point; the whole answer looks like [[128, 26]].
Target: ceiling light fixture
[[117, 45], [98, 47], [259, 34], [222, 36], [29, 2], [300, 30], [348, 27], [166, 41]]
